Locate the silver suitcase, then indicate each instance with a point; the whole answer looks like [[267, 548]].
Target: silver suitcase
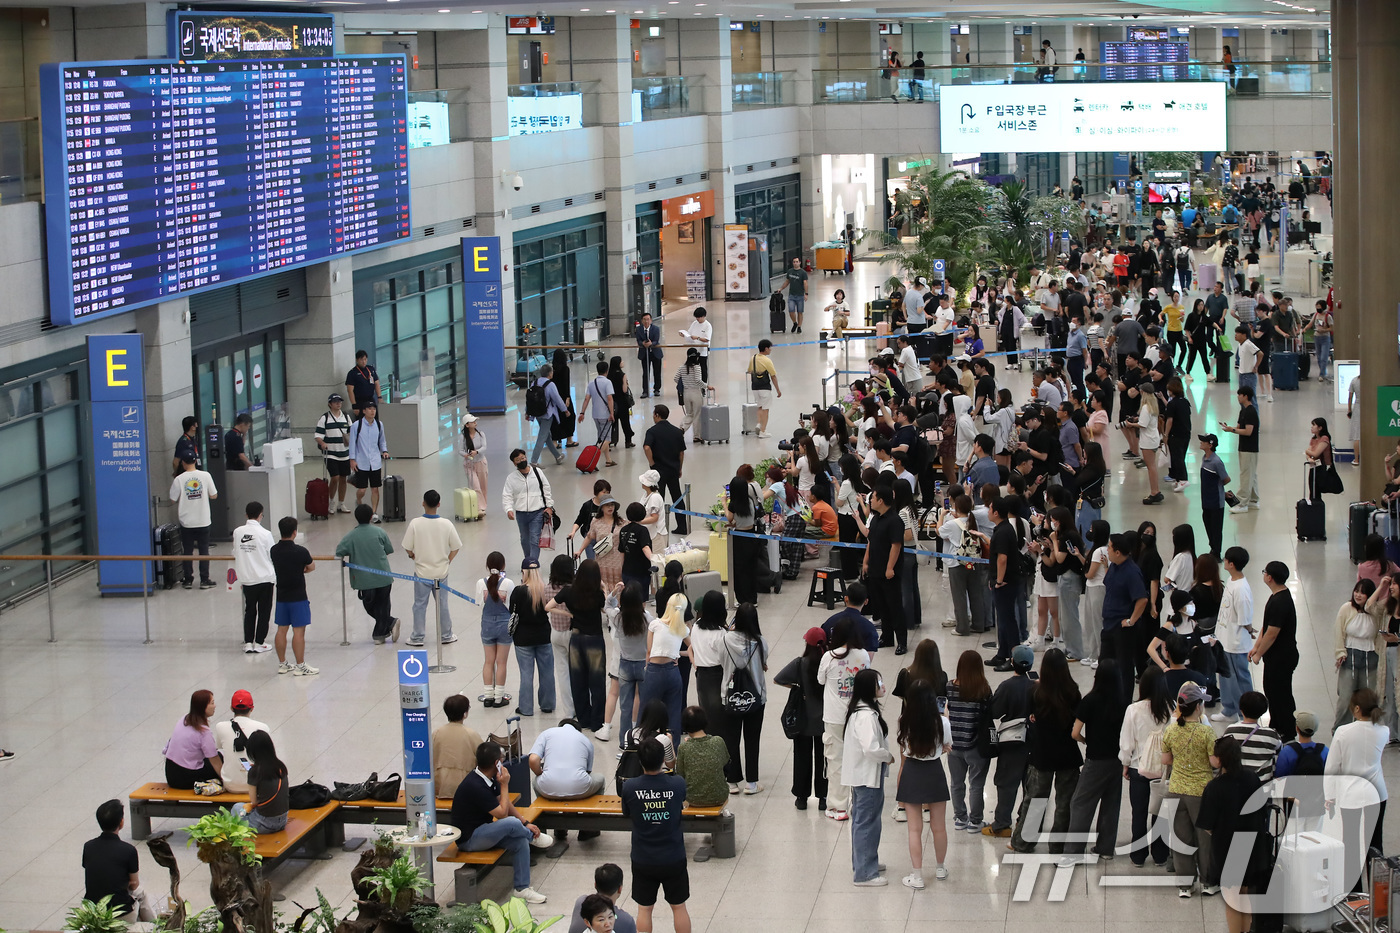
[[750, 417], [712, 427]]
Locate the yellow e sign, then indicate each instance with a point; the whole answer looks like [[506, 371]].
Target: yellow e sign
[[479, 256], [113, 367]]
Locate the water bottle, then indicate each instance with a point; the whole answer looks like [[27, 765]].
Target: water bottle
[[423, 826]]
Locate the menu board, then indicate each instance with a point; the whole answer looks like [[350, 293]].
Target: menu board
[[736, 259], [163, 178]]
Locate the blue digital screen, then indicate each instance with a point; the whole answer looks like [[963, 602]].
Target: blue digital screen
[[164, 178]]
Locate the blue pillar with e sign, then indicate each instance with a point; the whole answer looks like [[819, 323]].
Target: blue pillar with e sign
[[486, 363], [419, 796], [120, 485]]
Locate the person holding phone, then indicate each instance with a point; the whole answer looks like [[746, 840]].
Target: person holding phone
[[482, 810]]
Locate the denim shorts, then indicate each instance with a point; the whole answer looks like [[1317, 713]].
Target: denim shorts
[[495, 633]]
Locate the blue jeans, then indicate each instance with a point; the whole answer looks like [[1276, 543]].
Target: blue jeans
[[530, 657], [509, 834], [1231, 688], [866, 806], [260, 823], [796, 304], [1249, 379], [1323, 344], [629, 680], [663, 682], [531, 524], [588, 678], [422, 592], [544, 439], [1086, 516]]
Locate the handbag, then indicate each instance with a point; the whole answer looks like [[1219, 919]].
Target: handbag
[[1012, 730], [794, 712], [308, 795], [1328, 480], [354, 791], [1152, 757], [546, 538], [1157, 793], [386, 790]]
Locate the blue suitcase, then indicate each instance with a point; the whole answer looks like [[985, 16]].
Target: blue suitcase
[[1284, 368]]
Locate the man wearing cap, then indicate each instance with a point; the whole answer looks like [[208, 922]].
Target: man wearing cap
[[664, 446], [1214, 478], [191, 492], [252, 564], [368, 546], [333, 437], [368, 450], [232, 739], [432, 542], [701, 333]]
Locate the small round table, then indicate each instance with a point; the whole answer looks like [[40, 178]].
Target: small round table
[[423, 848]]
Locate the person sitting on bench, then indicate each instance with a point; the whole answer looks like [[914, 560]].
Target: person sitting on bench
[[269, 798], [192, 754], [607, 882], [562, 759], [110, 866], [483, 811]]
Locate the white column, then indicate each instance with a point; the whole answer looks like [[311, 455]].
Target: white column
[[165, 344], [321, 345]]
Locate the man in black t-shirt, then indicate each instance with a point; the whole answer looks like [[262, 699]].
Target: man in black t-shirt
[[634, 543], [883, 552], [187, 445], [1247, 430], [110, 866], [664, 445], [654, 802], [1277, 647], [483, 812], [291, 562], [985, 393], [1005, 580], [235, 444]]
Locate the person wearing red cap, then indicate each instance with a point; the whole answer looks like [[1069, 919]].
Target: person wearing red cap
[[232, 739], [808, 753]]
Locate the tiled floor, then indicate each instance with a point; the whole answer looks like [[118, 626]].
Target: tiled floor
[[90, 714]]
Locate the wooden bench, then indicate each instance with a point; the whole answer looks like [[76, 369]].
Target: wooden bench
[[387, 812], [603, 812], [308, 834], [157, 799], [474, 866]]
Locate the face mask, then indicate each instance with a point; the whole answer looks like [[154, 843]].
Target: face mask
[[1188, 610], [1074, 325], [523, 466]]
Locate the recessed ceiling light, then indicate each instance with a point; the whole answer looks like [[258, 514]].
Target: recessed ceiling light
[[444, 11]]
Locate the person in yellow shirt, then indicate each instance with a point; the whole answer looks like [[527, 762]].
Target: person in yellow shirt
[[763, 378], [1174, 314]]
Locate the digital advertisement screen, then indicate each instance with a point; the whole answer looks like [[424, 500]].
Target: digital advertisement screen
[[199, 36], [1145, 117], [163, 178]]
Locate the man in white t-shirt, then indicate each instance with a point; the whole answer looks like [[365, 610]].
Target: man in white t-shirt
[[191, 492], [909, 372], [1246, 359], [252, 564], [701, 333], [1234, 628], [432, 542], [562, 760], [233, 746]]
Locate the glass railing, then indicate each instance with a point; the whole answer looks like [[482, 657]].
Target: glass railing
[[762, 89], [437, 117], [661, 98], [549, 108], [1272, 79], [20, 160]]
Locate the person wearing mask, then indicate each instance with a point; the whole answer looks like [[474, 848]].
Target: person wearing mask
[[369, 448], [231, 738], [269, 788], [1277, 647], [744, 656], [840, 664], [1187, 745], [1011, 711], [1356, 752], [527, 500], [592, 508], [1055, 758], [866, 756], [367, 545], [1139, 752], [192, 754], [531, 638], [252, 563], [454, 746], [432, 543], [808, 762], [192, 491], [925, 739]]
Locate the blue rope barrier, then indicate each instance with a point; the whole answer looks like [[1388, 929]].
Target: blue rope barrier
[[411, 579]]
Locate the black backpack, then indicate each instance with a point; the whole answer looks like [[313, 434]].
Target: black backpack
[[308, 795], [777, 302], [741, 693], [1310, 760], [536, 402], [629, 765]]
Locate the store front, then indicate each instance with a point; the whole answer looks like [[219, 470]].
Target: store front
[[561, 280], [773, 208], [685, 246]]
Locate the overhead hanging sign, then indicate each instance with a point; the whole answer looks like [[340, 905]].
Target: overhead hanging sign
[[1148, 117], [116, 377], [206, 36]]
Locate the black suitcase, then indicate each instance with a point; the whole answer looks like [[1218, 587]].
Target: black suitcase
[[394, 508], [166, 542], [777, 322], [1304, 365], [1222, 366], [1312, 520], [1358, 528]]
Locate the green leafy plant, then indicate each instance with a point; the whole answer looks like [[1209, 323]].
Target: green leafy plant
[[224, 829], [384, 842], [98, 917], [205, 921], [459, 918], [318, 919], [396, 885], [512, 917]]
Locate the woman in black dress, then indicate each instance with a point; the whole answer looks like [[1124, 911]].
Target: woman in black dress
[[564, 430], [622, 394]]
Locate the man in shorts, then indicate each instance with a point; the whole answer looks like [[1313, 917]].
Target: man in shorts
[[654, 802], [795, 281], [291, 562], [333, 437], [368, 451], [763, 379]]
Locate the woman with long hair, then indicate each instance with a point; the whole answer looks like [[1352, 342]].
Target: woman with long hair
[[1097, 426], [1180, 573], [1090, 478], [665, 642], [533, 651], [622, 394], [706, 650], [925, 738], [673, 582], [1356, 752], [969, 713], [269, 788], [630, 638], [1375, 566], [583, 602], [1200, 334], [841, 444], [926, 666], [493, 593], [852, 510], [782, 495], [602, 539], [745, 649], [1229, 814], [1359, 646], [693, 387], [841, 662], [1149, 561], [1149, 439], [192, 754], [1139, 747], [1100, 787], [560, 378], [908, 567], [654, 723], [1067, 556], [806, 464], [1095, 573], [473, 451], [1187, 745], [1003, 426], [1054, 754], [808, 762], [1318, 455], [742, 508], [865, 758], [561, 574]]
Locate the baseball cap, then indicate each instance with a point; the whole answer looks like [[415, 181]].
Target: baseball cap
[[335, 397], [814, 637], [242, 699], [1022, 657], [528, 564], [1210, 439], [1305, 722], [1191, 692]]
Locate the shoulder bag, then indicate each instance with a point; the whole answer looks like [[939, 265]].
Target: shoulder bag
[[554, 516], [794, 712], [308, 795]]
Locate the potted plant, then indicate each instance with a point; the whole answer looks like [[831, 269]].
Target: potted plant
[[512, 917], [393, 898], [382, 854], [240, 894], [459, 918], [98, 917]]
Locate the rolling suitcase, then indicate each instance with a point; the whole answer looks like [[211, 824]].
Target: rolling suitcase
[[719, 554], [588, 457], [712, 427], [394, 507], [698, 584], [318, 498], [1360, 516], [1207, 274], [464, 500], [1284, 367], [749, 414], [1312, 520], [166, 541], [1310, 874], [777, 322]]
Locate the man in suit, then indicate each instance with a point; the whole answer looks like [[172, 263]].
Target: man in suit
[[649, 352]]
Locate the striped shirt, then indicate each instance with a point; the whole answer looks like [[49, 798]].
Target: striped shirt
[[334, 430], [965, 716], [1259, 748]]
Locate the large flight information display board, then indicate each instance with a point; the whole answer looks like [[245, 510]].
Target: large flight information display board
[[164, 178]]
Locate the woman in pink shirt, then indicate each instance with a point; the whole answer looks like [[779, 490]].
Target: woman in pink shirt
[[1098, 422], [1374, 565], [192, 754]]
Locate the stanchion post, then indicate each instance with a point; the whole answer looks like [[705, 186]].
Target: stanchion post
[[146, 602], [439, 667], [48, 592], [344, 611], [729, 555]]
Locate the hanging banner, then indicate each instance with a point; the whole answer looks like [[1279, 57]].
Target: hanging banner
[[120, 489], [486, 354]]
